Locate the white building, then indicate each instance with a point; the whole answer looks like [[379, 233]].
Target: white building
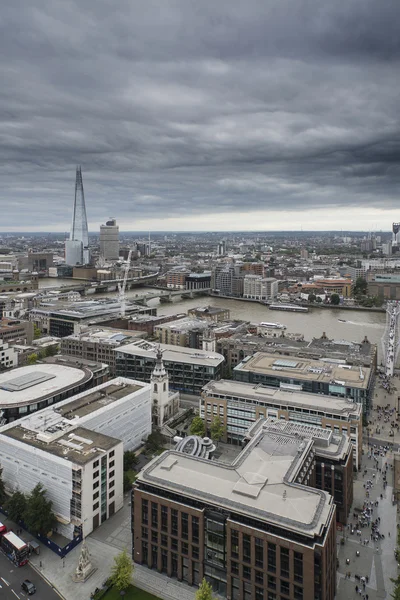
[[8, 357], [109, 240], [165, 403], [256, 287], [81, 470]]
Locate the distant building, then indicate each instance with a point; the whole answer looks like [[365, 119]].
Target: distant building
[[296, 373], [304, 253], [187, 332], [385, 286], [177, 279], [211, 313], [8, 358], [259, 288], [189, 370], [109, 240], [16, 331], [77, 247], [147, 323], [221, 250], [198, 281]]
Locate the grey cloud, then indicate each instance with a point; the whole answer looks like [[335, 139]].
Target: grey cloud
[[180, 108]]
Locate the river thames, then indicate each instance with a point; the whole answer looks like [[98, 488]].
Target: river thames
[[357, 325]]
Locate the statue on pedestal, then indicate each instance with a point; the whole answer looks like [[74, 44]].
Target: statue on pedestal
[[85, 568]]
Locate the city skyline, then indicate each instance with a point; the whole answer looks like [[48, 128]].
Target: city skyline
[[224, 117]]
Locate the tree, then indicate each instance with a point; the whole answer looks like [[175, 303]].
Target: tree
[[38, 515], [127, 482], [312, 297], [335, 299], [360, 287], [205, 591], [32, 358], [217, 430], [197, 427], [130, 460], [52, 350], [15, 506], [37, 332], [318, 299], [122, 570], [3, 495]]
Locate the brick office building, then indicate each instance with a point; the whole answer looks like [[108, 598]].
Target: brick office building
[[254, 528]]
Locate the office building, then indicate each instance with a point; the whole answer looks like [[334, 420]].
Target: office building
[[146, 323], [77, 247], [385, 286], [301, 374], [198, 281], [15, 331], [188, 370], [210, 313], [254, 528], [256, 287], [8, 357], [81, 471], [109, 240], [187, 332], [333, 455], [176, 279], [239, 405], [25, 390]]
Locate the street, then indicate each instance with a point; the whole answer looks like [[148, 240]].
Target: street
[[11, 578]]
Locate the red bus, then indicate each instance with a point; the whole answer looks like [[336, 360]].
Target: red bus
[[15, 548]]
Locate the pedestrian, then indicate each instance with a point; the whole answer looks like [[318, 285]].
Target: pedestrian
[[389, 533], [356, 589]]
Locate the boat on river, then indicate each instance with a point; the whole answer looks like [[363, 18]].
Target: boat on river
[[289, 307], [272, 325]]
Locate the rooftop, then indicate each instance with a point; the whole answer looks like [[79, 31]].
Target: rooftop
[[28, 385], [259, 483], [79, 445], [101, 336], [65, 415], [172, 353], [185, 324], [306, 370], [262, 394], [85, 309]]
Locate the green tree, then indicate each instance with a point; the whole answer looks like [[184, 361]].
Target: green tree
[[360, 287], [3, 495], [127, 483], [205, 591], [130, 460], [38, 515], [122, 571], [318, 299], [335, 299], [312, 297], [37, 332], [15, 506], [32, 358], [52, 350], [217, 430], [197, 427]]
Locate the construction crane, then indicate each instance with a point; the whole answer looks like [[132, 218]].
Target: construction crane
[[122, 286]]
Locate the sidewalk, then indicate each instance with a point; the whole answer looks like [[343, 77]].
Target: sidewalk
[[376, 560]]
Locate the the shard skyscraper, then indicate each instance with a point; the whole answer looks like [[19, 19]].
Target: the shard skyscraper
[[77, 247]]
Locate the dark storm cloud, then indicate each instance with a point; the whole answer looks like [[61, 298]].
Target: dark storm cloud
[[180, 108]]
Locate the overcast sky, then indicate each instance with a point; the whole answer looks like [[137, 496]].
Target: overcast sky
[[200, 115]]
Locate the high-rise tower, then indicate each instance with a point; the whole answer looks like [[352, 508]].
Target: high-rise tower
[[77, 247], [109, 240]]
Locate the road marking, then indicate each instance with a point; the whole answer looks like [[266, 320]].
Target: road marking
[[6, 582], [15, 594]]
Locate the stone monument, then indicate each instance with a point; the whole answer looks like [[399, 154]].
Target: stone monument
[[85, 568]]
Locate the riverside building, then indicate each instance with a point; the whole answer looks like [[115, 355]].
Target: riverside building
[[254, 528], [239, 405]]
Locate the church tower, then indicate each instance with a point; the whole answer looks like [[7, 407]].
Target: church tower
[[209, 341], [160, 391]]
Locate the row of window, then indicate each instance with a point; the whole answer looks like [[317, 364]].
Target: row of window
[[169, 520]]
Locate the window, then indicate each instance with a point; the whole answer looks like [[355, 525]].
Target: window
[[95, 506], [174, 521], [271, 557], [185, 525], [271, 596], [285, 588], [95, 464], [111, 484], [145, 511], [246, 548], [96, 495], [195, 552], [164, 518], [111, 494], [111, 474], [298, 593], [164, 540], [112, 463], [145, 552], [195, 530], [259, 550], [154, 537], [271, 582], [284, 562], [235, 568], [174, 544], [234, 543], [154, 514], [185, 548], [111, 453], [259, 594], [95, 485], [246, 572], [145, 532], [96, 474], [298, 566], [260, 577]]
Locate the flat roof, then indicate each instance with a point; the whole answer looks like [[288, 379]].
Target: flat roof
[[79, 445], [306, 370], [41, 380], [172, 353], [186, 324], [259, 483], [95, 399], [266, 395]]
